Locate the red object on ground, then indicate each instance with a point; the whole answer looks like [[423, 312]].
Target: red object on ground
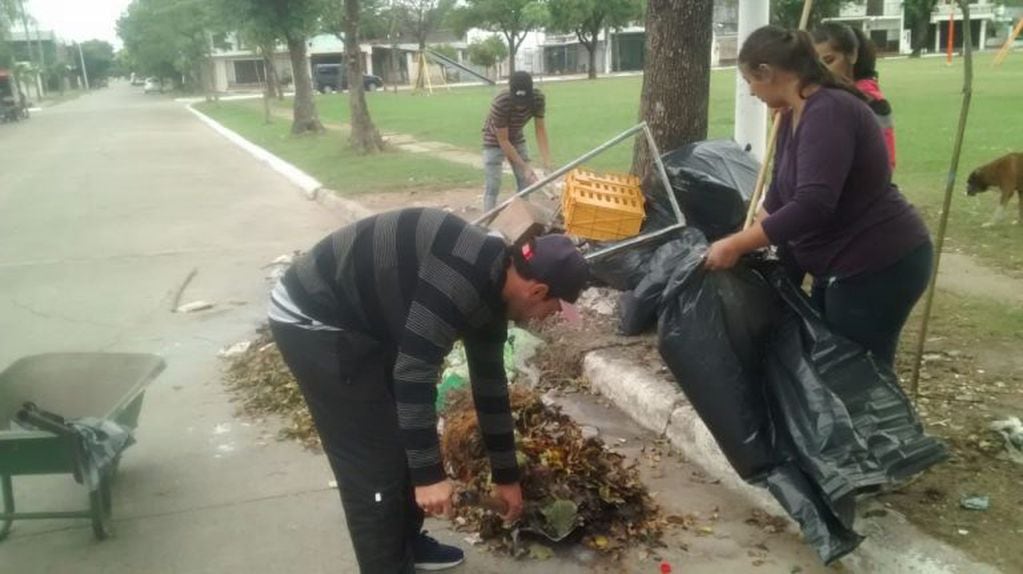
[[665, 568]]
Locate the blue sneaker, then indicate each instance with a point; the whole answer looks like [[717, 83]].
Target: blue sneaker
[[431, 555]]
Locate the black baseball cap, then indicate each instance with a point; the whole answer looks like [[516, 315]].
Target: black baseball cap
[[520, 85], [556, 262]]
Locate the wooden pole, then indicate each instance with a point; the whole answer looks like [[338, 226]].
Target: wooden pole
[[949, 188], [758, 191], [951, 31], [1007, 46]]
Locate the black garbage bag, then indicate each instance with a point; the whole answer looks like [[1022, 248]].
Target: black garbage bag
[[625, 269], [826, 529], [637, 309], [711, 327], [714, 328], [712, 180], [851, 424]]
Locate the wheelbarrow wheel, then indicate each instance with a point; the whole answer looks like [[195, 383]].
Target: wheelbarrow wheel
[[99, 505]]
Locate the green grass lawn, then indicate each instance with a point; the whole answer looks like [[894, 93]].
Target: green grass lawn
[[328, 158], [925, 94]]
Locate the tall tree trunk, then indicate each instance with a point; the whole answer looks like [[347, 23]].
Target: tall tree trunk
[[272, 89], [305, 118], [365, 138], [676, 78], [513, 48], [591, 47], [920, 34]]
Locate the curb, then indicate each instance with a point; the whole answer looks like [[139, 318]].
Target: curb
[[307, 183], [312, 189], [893, 544]]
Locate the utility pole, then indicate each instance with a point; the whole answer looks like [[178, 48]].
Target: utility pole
[[750, 113], [85, 73], [42, 55]]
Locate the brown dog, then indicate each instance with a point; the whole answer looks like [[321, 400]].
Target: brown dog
[[1006, 173]]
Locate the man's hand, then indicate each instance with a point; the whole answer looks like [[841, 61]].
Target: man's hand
[[531, 176], [435, 499], [511, 494], [722, 255]]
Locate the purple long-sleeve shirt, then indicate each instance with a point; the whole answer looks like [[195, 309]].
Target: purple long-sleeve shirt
[[831, 200]]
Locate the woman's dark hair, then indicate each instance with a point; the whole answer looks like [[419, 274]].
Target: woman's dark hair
[[850, 41], [792, 51]]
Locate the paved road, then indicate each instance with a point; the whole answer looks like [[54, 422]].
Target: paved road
[[106, 204]]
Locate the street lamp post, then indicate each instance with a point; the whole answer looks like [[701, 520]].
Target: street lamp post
[[85, 73]]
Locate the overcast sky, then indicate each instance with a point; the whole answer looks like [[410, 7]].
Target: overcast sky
[[79, 19]]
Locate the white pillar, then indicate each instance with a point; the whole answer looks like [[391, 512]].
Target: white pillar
[[937, 36], [750, 113], [607, 50], [983, 34]]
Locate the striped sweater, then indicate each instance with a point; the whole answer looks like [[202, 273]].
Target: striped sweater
[[505, 112], [417, 280]]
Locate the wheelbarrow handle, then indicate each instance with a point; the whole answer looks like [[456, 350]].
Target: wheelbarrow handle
[[33, 415]]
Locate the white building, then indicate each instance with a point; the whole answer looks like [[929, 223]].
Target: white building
[[885, 23]]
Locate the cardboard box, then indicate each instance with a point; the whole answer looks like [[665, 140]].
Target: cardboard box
[[521, 221]]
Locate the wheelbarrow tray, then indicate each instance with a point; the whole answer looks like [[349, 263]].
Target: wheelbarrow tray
[[73, 385]]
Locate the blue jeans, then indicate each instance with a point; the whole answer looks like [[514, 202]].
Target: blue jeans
[[493, 162]]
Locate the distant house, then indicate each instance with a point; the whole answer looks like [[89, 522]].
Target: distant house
[[984, 16], [239, 67], [885, 23], [622, 50]]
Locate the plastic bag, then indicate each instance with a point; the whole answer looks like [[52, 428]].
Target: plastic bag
[[637, 309], [713, 182], [704, 318], [851, 423]]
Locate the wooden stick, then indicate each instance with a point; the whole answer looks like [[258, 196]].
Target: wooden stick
[[772, 138], [957, 149], [176, 302], [1007, 46]]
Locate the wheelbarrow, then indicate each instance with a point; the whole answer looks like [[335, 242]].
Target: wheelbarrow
[[52, 391]]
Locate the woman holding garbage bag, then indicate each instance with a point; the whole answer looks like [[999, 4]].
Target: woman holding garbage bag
[[831, 202]]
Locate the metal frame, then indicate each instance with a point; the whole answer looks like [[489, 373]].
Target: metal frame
[[661, 172]]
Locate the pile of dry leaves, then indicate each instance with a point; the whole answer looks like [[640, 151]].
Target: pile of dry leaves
[[574, 488], [263, 385]]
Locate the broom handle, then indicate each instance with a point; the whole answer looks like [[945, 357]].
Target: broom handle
[[758, 191]]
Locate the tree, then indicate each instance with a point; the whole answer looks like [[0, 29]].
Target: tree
[[918, 20], [587, 18], [676, 78], [420, 18], [511, 18], [9, 14], [374, 18], [169, 39], [365, 138], [787, 12], [487, 53], [99, 59], [292, 21]]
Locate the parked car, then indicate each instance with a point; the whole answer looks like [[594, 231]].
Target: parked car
[[334, 78], [153, 85], [137, 80]]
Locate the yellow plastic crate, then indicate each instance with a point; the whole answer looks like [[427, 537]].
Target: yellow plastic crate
[[602, 206]]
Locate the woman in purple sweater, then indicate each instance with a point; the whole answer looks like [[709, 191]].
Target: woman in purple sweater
[[831, 205]]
